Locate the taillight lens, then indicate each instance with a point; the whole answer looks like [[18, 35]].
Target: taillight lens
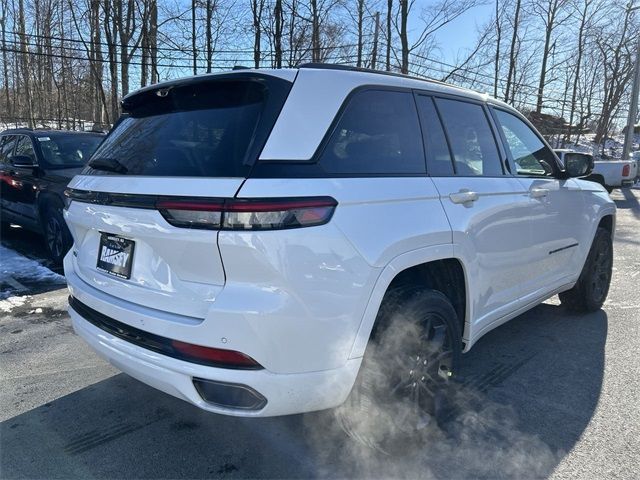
[[225, 358], [249, 214], [192, 214], [626, 170]]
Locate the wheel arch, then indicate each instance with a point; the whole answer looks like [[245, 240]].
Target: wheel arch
[[608, 222], [44, 200], [433, 267]]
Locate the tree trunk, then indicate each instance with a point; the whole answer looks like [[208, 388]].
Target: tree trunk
[[153, 40], [315, 32], [24, 63], [209, 37], [404, 40], [389, 33], [277, 37], [512, 51], [376, 34], [193, 37], [576, 78], [110, 31], [5, 59], [256, 10], [360, 30], [496, 71], [552, 10]]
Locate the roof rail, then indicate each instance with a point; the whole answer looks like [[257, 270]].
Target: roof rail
[[18, 129], [351, 68]]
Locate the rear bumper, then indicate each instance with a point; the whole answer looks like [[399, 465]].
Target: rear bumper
[[285, 393], [628, 183]]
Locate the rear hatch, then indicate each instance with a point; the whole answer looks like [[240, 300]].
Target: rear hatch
[[190, 143]]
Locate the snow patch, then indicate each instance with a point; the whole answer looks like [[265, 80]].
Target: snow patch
[[16, 268], [12, 302]]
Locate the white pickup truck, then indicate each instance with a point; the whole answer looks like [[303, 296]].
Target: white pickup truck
[[608, 173]]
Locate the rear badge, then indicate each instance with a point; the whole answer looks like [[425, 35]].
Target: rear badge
[[115, 255]]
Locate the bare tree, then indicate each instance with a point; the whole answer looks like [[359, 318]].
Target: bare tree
[[432, 19], [582, 9], [549, 11], [615, 43], [4, 9], [257, 6], [24, 50]]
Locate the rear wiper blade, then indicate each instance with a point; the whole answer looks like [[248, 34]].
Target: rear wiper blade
[[108, 165]]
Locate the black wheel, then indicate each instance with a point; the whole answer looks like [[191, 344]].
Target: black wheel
[[591, 290], [413, 352], [56, 234]]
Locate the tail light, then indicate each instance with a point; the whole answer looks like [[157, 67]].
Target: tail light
[[248, 214], [626, 170]]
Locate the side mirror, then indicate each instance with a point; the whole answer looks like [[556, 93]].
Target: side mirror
[[578, 164], [22, 161]]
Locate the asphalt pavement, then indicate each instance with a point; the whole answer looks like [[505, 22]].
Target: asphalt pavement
[[549, 394]]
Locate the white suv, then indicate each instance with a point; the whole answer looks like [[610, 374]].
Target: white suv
[[251, 241]]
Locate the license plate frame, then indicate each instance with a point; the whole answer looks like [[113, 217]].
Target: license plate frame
[[115, 255]]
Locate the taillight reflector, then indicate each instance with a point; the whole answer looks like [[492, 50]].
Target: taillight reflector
[[227, 358]]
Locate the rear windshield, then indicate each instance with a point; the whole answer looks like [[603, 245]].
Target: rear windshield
[[68, 151], [210, 129]]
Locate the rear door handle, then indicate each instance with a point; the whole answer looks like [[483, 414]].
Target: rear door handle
[[463, 196], [538, 192]]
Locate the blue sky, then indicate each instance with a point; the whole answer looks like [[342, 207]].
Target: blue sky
[[459, 35]]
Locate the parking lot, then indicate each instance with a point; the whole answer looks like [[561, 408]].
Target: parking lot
[[549, 394]]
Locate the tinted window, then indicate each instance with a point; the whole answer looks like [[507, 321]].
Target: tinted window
[[6, 148], [195, 130], [438, 155], [378, 133], [24, 147], [530, 154], [68, 151], [577, 157], [472, 142]]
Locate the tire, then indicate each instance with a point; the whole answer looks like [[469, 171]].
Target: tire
[[56, 234], [590, 292], [401, 389]]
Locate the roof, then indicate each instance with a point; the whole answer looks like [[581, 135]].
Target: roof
[[41, 132], [367, 75]]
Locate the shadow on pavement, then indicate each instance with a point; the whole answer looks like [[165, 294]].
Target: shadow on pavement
[[529, 389], [630, 201]]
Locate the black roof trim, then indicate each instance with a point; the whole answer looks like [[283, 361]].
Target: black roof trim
[[351, 68], [17, 130], [47, 131]]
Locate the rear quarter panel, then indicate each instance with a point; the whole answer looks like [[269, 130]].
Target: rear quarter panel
[[316, 282]]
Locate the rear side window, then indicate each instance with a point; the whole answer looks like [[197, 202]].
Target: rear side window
[[530, 154], [438, 155], [377, 133], [472, 142], [206, 129], [25, 147], [7, 143]]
